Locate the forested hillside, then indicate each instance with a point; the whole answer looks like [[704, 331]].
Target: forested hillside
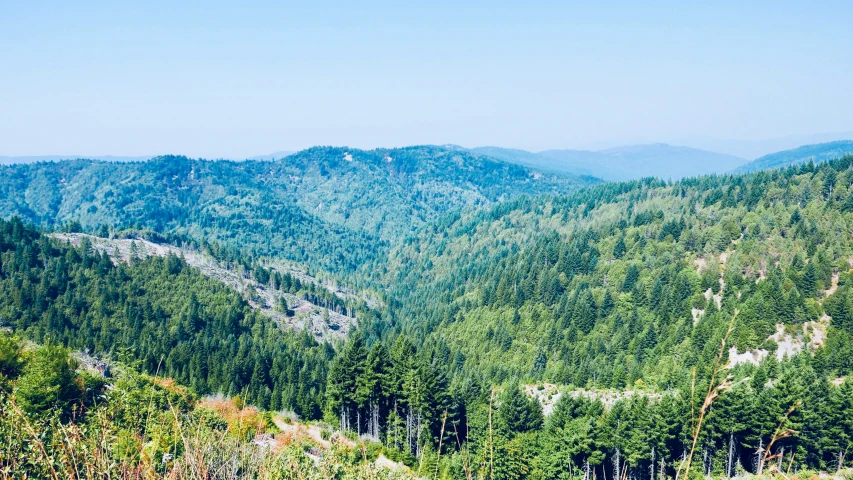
[[819, 152], [333, 209], [634, 281], [632, 287], [288, 296], [161, 313]]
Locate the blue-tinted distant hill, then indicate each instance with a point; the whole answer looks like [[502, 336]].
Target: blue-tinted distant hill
[[17, 160], [623, 163], [59, 158], [817, 153], [273, 156]]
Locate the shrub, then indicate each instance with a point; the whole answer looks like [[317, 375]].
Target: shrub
[[47, 383]]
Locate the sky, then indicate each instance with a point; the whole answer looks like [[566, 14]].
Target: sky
[[232, 80]]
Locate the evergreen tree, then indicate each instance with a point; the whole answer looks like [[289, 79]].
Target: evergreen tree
[[47, 382], [517, 412], [619, 248]]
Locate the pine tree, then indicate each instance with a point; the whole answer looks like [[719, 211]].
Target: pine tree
[[519, 413], [808, 283], [539, 364], [11, 361], [341, 390], [607, 305], [631, 277], [847, 206], [619, 248], [47, 383]]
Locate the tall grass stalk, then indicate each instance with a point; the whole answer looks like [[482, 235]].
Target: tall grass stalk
[[714, 391]]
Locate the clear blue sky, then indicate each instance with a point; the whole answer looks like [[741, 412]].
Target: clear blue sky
[[232, 80]]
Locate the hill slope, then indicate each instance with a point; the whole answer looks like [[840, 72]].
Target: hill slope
[[305, 308], [613, 284], [817, 153], [159, 312], [330, 208]]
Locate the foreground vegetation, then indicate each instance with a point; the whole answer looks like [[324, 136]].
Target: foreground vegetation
[[60, 421], [59, 418]]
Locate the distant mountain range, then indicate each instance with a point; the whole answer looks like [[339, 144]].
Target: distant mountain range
[[273, 156], [660, 160], [817, 153], [753, 149], [623, 163]]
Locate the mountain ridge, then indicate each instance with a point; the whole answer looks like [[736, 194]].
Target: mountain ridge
[[627, 162], [25, 159], [330, 207], [818, 152]]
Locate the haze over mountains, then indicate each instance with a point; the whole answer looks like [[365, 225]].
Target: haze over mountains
[[817, 153], [753, 149], [273, 156], [660, 160], [336, 209], [623, 163], [629, 162]]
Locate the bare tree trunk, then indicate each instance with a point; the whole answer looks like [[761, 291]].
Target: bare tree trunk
[[388, 435], [440, 438], [759, 453], [491, 438], [616, 464], [409, 422], [418, 444], [652, 465], [731, 455]]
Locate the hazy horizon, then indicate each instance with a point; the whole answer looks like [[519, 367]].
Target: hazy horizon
[[235, 82], [746, 149]]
